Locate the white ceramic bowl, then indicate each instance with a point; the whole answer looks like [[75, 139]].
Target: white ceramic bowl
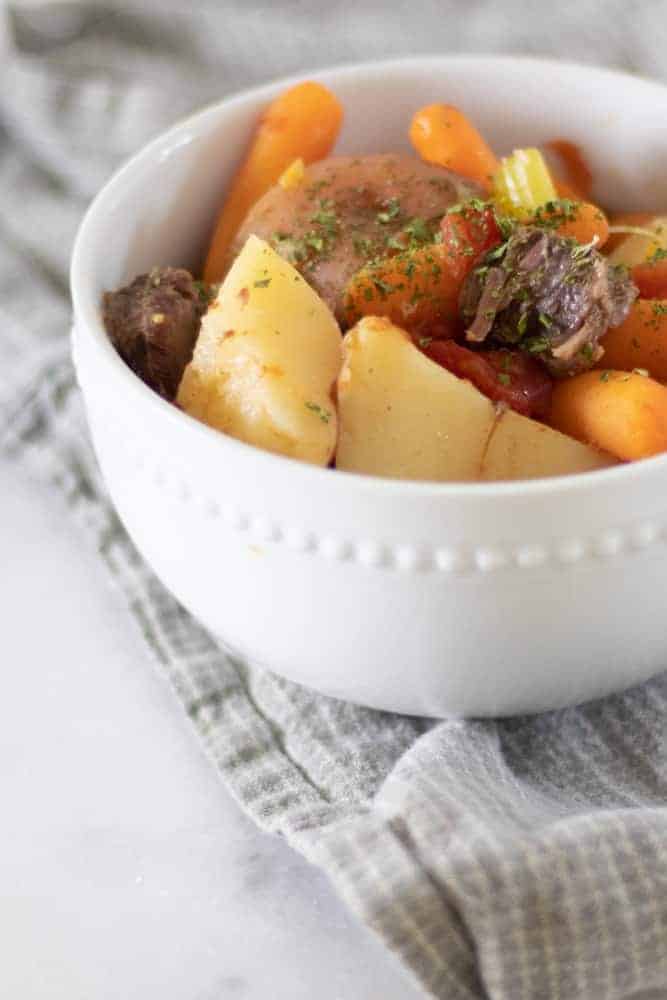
[[424, 598]]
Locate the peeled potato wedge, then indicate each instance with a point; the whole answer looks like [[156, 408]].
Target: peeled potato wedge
[[402, 415], [520, 448], [266, 359]]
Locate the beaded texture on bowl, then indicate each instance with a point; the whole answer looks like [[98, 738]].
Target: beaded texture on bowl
[[408, 557]]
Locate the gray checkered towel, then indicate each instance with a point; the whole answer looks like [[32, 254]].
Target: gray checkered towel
[[512, 860]]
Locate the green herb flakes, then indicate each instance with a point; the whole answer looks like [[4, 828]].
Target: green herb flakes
[[383, 287], [391, 212], [537, 345], [324, 415]]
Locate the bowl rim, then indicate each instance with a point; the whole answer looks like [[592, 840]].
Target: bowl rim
[[88, 321]]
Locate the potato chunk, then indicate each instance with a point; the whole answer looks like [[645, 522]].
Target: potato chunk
[[520, 448], [404, 416], [266, 359]]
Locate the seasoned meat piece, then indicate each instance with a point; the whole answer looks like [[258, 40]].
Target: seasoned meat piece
[[548, 296], [153, 324], [349, 210]]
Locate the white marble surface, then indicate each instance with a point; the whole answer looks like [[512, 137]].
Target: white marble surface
[[126, 870]]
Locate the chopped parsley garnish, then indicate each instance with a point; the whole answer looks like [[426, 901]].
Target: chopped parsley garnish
[[262, 283], [392, 210], [537, 345], [496, 253], [318, 185], [326, 217], [553, 214], [418, 231], [204, 290], [658, 254], [505, 225], [504, 378], [323, 414], [383, 287], [314, 242], [363, 246], [472, 206]]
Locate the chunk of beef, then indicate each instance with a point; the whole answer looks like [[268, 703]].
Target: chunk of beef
[[349, 210], [548, 296], [153, 324]]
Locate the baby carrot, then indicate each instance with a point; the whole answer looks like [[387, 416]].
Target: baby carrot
[[580, 220], [640, 341], [417, 290], [622, 413], [442, 134]]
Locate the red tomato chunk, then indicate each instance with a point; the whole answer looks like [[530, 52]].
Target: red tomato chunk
[[468, 234], [504, 376]]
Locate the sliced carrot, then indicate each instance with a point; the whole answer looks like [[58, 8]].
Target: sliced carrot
[[622, 413], [641, 219], [303, 122], [418, 290], [640, 341], [579, 176], [581, 221], [442, 134]]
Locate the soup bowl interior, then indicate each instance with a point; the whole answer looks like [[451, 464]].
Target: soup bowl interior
[[431, 598]]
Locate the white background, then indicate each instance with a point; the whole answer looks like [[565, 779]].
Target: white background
[[126, 870]]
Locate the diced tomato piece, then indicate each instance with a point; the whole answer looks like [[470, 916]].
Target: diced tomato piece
[[504, 376], [468, 234], [651, 279]]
